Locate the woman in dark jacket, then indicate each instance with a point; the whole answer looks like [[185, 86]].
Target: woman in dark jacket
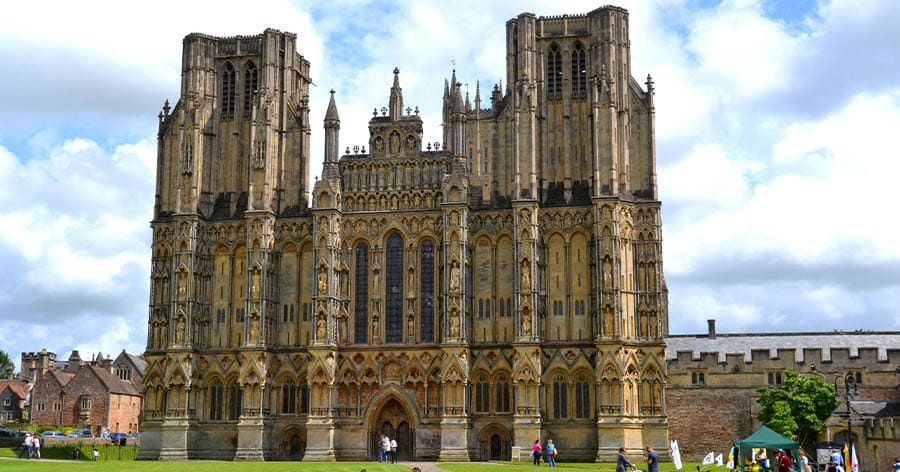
[[622, 461]]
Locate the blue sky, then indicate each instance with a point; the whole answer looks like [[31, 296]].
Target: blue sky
[[777, 138]]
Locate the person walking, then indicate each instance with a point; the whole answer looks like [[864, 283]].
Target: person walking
[[36, 445], [385, 449], [551, 453], [652, 460], [622, 462], [536, 452], [394, 450], [26, 447], [96, 455]]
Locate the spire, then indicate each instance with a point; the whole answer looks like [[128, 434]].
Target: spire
[[332, 130], [396, 105], [331, 115]]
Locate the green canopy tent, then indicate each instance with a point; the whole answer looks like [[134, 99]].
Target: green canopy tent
[[765, 438]]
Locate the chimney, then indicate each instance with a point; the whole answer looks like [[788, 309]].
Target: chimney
[[711, 330]]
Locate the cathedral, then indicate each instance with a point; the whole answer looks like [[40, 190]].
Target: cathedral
[[466, 297]]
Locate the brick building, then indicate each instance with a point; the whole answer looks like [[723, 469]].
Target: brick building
[[13, 394], [103, 394], [711, 392]]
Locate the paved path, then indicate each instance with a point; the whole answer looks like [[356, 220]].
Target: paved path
[[433, 466]]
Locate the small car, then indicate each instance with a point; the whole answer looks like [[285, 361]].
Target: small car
[[80, 433], [52, 434], [113, 437], [5, 432]]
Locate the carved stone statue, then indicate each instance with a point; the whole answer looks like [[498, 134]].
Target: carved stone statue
[[254, 328], [321, 330], [454, 323], [526, 275], [454, 277], [179, 330], [323, 282], [526, 323]]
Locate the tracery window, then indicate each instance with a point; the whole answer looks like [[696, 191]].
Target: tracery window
[[228, 77], [251, 85], [554, 73], [361, 294], [289, 397], [503, 397], [216, 401], [235, 400], [427, 292], [482, 395], [560, 404], [582, 397], [579, 72], [393, 289]]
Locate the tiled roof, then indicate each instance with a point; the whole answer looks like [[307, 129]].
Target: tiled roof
[[113, 383], [724, 344], [18, 387]]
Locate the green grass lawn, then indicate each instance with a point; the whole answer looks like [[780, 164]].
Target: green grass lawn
[[225, 466]]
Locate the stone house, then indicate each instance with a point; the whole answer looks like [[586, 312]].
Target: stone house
[[713, 380], [102, 394], [13, 395]]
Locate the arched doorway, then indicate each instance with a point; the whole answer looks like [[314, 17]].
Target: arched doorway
[[494, 443], [293, 445], [394, 421]]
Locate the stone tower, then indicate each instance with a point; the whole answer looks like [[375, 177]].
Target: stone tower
[[465, 298]]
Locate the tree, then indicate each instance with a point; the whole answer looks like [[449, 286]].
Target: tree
[[4, 363], [799, 407]]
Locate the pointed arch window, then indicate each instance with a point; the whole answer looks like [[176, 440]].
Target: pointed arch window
[[481, 395], [427, 279], [582, 397], [393, 297], [361, 294], [554, 73], [560, 404], [503, 396], [216, 401], [251, 85], [579, 72], [235, 400], [289, 397], [228, 79]]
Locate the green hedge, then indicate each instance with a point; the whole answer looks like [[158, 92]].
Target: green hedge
[[108, 452]]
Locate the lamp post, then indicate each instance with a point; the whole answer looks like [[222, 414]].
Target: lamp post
[[851, 389]]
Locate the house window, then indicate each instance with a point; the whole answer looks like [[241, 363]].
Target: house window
[[7, 402], [124, 373], [698, 378], [85, 403], [775, 378]]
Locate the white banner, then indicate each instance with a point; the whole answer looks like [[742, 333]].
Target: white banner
[[709, 459], [676, 455]]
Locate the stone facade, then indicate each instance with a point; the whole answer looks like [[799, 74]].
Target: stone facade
[[711, 394], [467, 297], [86, 393]]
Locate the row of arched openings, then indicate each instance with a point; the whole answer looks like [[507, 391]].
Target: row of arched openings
[[578, 75], [229, 88]]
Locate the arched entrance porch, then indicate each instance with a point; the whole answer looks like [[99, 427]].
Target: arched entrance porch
[[392, 417], [494, 443], [292, 444]]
